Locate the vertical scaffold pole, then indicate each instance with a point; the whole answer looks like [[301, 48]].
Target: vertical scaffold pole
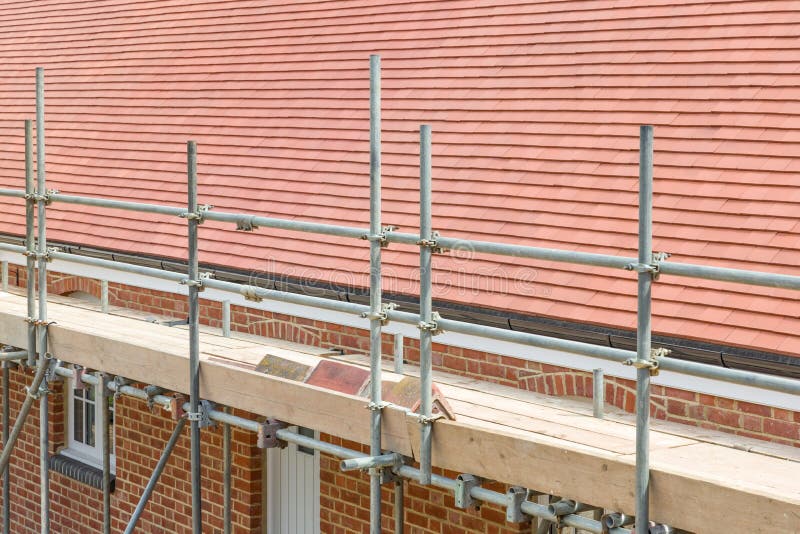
[[105, 429], [4, 276], [41, 186], [6, 479], [194, 338], [425, 303], [226, 478], [30, 242], [375, 290], [399, 353], [41, 366], [643, 345]]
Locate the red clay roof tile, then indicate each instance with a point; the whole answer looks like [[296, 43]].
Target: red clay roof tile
[[535, 108]]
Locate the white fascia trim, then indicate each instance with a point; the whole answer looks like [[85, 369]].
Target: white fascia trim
[[516, 350]]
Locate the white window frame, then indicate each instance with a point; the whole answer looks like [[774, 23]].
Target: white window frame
[[91, 455]]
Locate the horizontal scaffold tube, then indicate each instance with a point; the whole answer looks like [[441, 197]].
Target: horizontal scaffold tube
[[13, 193], [118, 204], [735, 376], [724, 274], [361, 461]]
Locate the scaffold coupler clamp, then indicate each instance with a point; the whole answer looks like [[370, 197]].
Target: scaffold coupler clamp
[[381, 237], [47, 197], [377, 406], [246, 223], [50, 374], [119, 383], [432, 325], [388, 474], [654, 267], [653, 363], [383, 316], [151, 391], [433, 243], [203, 414], [268, 434], [250, 293], [199, 215], [463, 497], [199, 283], [516, 495]]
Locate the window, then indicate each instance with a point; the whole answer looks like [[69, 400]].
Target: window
[[84, 415]]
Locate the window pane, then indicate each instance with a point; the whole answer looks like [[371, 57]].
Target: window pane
[[77, 419], [89, 393], [89, 425]]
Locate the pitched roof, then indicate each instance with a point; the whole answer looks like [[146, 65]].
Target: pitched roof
[[535, 108]]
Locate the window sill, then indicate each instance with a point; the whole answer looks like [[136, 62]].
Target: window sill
[[79, 471]]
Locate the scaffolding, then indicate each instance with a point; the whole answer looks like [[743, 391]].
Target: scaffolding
[[384, 467]]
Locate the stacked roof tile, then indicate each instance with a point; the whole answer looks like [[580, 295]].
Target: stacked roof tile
[[535, 108]]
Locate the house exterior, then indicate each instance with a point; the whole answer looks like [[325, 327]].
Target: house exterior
[[535, 108]]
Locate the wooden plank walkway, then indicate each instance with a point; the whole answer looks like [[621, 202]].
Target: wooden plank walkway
[[696, 485]]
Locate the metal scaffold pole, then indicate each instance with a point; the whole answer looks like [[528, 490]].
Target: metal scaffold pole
[[193, 218], [643, 361], [107, 437], [375, 296], [30, 242], [6, 479], [151, 484], [426, 324], [41, 200]]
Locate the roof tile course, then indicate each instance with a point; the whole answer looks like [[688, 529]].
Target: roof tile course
[[535, 107]]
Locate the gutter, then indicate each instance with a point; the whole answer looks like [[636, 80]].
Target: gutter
[[682, 349]]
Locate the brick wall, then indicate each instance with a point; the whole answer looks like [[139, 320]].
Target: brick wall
[[140, 439], [141, 435], [344, 503]]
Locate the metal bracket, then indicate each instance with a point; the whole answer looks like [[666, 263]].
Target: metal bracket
[[199, 282], [203, 414], [176, 406], [246, 224], [429, 420], [39, 393], [433, 325], [119, 382], [465, 483], [268, 434], [383, 316], [653, 267], [433, 243], [516, 495], [249, 293], [198, 215], [46, 197], [151, 391], [50, 374], [377, 406], [653, 363], [381, 237]]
